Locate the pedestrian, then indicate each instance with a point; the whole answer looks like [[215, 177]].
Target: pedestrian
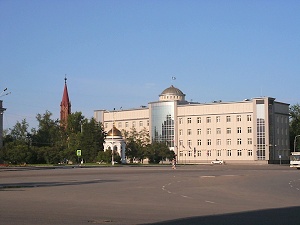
[[173, 164]]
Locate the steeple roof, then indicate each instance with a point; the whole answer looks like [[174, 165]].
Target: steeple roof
[[65, 106], [65, 99]]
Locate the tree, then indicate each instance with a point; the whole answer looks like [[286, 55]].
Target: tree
[[48, 132], [159, 151], [92, 139], [136, 144], [294, 125], [19, 132]]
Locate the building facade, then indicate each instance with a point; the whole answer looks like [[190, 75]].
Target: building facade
[[115, 142], [249, 131]]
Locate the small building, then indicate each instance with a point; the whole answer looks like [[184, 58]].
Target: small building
[[248, 131], [115, 142]]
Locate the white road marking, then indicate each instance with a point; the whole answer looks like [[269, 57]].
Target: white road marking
[[210, 202]]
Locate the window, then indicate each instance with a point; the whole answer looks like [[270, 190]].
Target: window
[[228, 130], [189, 132], [180, 121], [239, 141], [198, 119], [249, 118], [218, 131], [249, 130], [219, 153], [180, 153], [106, 125], [133, 124], [239, 130], [189, 143], [208, 152], [239, 152], [208, 119], [208, 131], [141, 123], [126, 124], [238, 118], [148, 123], [199, 142], [198, 152], [218, 141], [180, 142], [228, 152], [198, 131], [228, 141], [228, 119], [208, 141], [180, 132], [120, 124], [249, 141], [218, 119], [189, 120], [250, 153], [190, 153]]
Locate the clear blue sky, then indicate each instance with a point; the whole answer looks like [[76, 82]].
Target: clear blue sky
[[119, 53]]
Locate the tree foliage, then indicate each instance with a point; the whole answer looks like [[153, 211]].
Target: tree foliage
[[52, 143], [295, 125]]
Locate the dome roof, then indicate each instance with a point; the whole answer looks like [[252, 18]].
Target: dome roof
[[172, 91], [114, 132]]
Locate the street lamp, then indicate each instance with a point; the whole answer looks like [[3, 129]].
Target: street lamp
[[295, 141], [112, 138]]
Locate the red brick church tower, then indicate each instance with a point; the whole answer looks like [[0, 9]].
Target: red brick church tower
[[65, 106]]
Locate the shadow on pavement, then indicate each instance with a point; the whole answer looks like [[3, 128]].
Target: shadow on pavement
[[280, 216], [9, 186]]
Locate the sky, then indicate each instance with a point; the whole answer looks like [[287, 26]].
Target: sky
[[124, 53]]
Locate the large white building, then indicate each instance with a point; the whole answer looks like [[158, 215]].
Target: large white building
[[249, 131]]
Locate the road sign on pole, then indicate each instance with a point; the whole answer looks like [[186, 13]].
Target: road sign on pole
[[78, 152]]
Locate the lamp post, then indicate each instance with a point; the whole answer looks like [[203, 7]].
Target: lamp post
[[295, 141], [112, 138]]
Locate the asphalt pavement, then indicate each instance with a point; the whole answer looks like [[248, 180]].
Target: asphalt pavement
[[128, 195]]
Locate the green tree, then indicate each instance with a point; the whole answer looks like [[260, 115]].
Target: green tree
[[19, 132], [136, 144], [158, 151], [48, 132], [295, 125], [92, 139], [17, 144]]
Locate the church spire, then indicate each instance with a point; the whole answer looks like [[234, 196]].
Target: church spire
[[65, 106]]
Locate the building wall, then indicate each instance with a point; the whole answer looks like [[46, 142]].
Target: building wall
[[255, 130], [124, 119]]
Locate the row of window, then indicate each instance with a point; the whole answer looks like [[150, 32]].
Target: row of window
[[228, 142], [282, 119], [208, 153], [218, 131], [218, 142], [208, 119], [127, 124]]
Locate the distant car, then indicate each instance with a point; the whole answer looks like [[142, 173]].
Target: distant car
[[217, 162]]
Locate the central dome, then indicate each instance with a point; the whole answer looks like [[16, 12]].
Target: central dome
[[172, 93], [114, 132]]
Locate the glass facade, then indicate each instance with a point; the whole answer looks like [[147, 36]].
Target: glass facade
[[261, 131], [162, 122]]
